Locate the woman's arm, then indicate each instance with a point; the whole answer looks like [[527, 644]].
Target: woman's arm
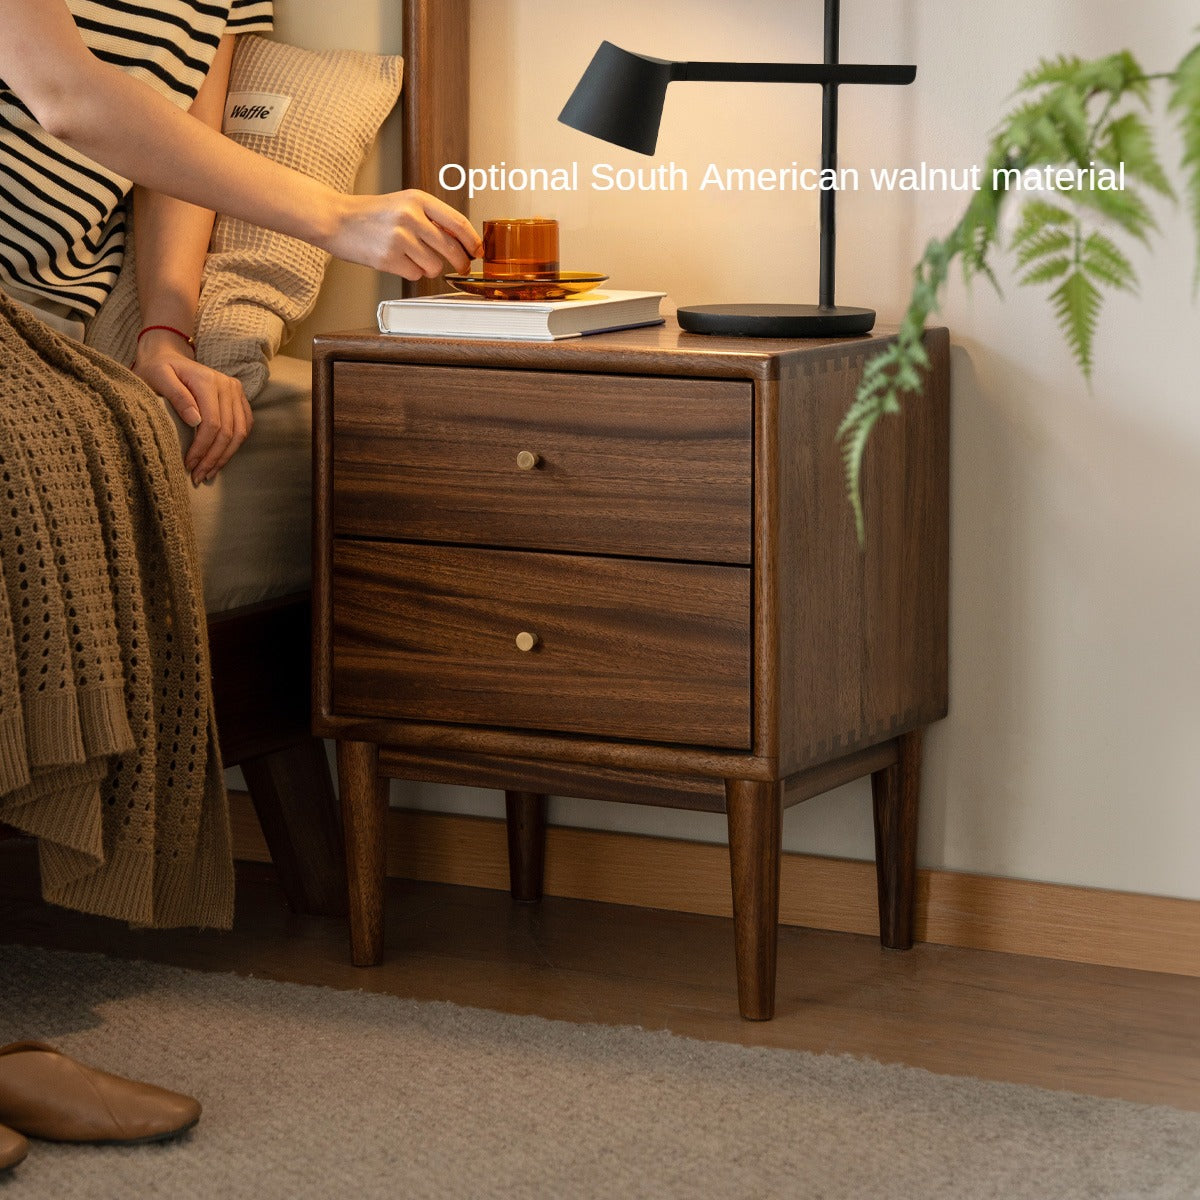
[[122, 123], [172, 239]]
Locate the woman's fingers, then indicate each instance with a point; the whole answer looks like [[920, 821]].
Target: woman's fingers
[[454, 225], [204, 390], [429, 247], [450, 248], [411, 233], [230, 432], [225, 423], [243, 420], [419, 250]]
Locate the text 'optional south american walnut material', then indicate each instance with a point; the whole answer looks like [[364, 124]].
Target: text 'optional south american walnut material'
[[623, 567]]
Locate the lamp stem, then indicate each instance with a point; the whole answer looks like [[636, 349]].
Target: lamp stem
[[829, 134]]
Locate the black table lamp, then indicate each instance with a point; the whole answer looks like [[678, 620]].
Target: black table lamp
[[620, 99]]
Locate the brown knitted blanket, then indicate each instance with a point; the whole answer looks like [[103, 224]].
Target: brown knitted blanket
[[108, 750]]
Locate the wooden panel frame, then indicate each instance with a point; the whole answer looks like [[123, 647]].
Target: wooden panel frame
[[434, 101]]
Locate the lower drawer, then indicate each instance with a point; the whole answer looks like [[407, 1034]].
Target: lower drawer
[[620, 648]]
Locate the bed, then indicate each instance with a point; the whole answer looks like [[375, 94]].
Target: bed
[[257, 597], [253, 530]]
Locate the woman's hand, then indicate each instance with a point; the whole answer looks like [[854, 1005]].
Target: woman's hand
[[214, 405], [410, 233]]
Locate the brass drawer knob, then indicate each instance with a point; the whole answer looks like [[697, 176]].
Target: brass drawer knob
[[527, 460], [527, 641]]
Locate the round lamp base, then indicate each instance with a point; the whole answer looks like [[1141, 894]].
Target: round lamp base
[[776, 320]]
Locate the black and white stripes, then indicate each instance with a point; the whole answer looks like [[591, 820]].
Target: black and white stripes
[[62, 230]]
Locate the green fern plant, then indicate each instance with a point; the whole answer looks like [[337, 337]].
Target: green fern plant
[[1075, 114]]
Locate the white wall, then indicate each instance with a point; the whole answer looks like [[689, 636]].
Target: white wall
[[1071, 752]]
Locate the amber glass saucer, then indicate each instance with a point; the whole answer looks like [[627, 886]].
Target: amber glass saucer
[[557, 287]]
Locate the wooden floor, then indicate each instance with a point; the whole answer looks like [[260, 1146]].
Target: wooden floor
[[1100, 1030]]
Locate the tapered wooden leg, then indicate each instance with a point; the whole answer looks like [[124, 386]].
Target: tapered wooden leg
[[298, 811], [526, 821], [364, 809], [755, 814], [895, 790]]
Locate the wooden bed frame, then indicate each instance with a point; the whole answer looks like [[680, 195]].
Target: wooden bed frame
[[262, 655]]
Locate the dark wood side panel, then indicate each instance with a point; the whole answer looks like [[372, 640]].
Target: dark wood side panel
[[863, 632], [824, 778], [616, 464], [500, 772], [322, 535], [623, 648], [434, 101], [579, 749]]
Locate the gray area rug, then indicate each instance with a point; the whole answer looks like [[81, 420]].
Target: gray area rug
[[313, 1092]]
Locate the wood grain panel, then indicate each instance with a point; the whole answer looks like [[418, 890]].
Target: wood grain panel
[[536, 745], [626, 649], [624, 465], [435, 101], [663, 350], [502, 773], [863, 642]]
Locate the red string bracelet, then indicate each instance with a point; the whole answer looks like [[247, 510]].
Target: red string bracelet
[[168, 329]]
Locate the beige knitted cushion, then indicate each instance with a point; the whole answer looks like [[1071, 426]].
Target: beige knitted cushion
[[321, 111]]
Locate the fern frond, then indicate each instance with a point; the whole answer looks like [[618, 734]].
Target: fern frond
[[984, 268], [1126, 208], [895, 370], [874, 373], [854, 445], [1029, 134], [1129, 140], [1062, 69], [1043, 242], [1105, 262], [1077, 303], [1185, 101], [1115, 75], [977, 243], [1038, 214], [1069, 113], [874, 400], [1067, 107], [977, 232], [1051, 269]]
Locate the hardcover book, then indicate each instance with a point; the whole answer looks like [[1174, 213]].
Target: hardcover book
[[455, 314]]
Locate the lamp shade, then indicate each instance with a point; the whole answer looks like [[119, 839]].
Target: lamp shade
[[620, 98]]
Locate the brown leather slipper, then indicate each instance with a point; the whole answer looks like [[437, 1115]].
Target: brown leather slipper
[[44, 1094], [13, 1147]]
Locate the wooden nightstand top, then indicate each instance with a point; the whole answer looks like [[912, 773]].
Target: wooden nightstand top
[[651, 350]]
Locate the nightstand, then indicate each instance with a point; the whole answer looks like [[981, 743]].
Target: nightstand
[[623, 567]]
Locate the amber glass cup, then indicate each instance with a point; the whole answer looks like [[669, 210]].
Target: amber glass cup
[[525, 248]]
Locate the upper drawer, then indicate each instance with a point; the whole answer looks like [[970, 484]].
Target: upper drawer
[[602, 464]]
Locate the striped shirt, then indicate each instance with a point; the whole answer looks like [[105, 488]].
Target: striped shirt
[[62, 226]]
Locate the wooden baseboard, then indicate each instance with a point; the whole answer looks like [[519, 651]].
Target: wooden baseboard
[[1014, 916]]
